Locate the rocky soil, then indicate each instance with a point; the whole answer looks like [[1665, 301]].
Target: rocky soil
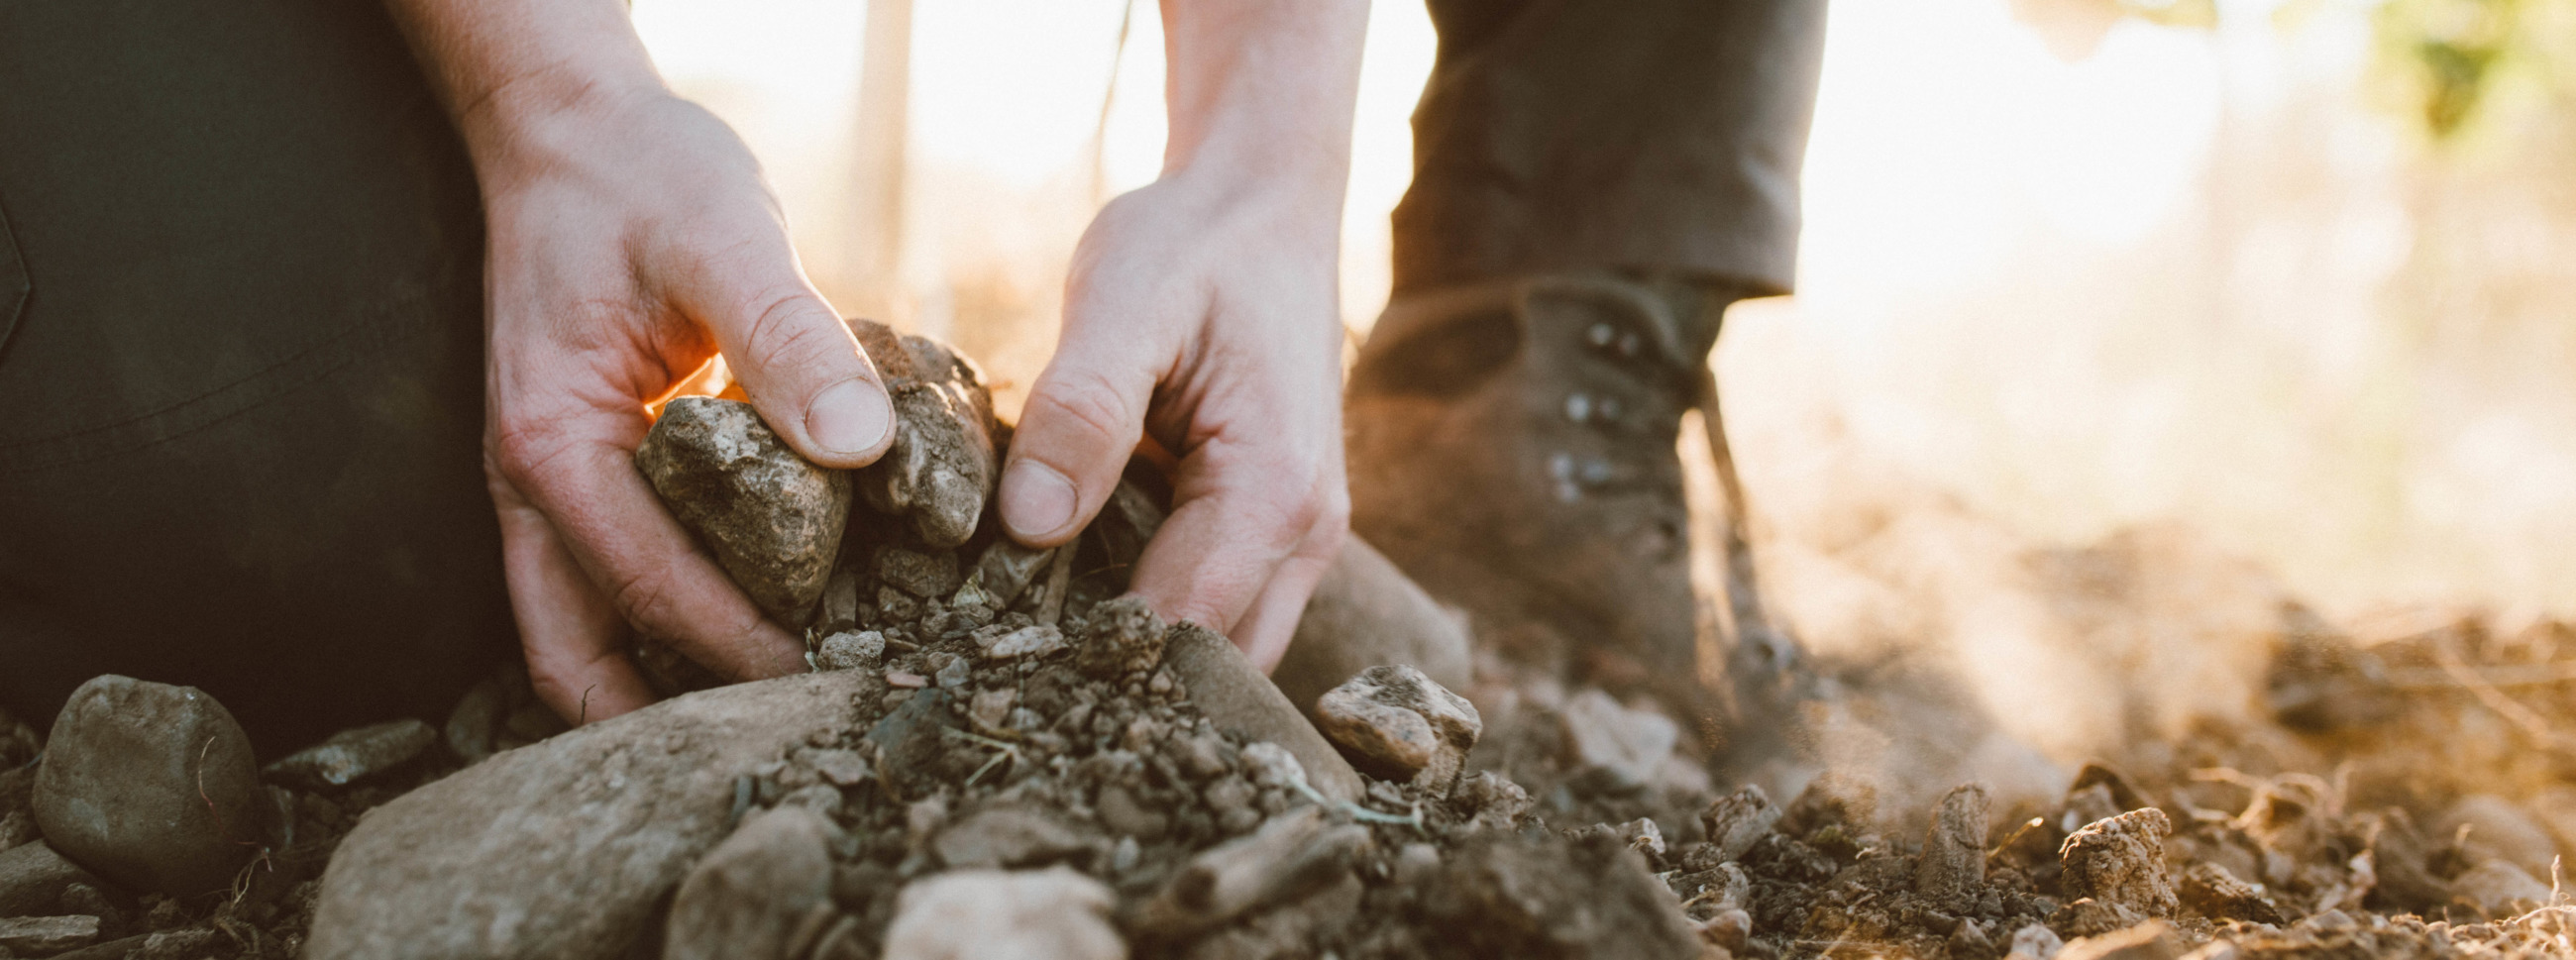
[[1001, 756]]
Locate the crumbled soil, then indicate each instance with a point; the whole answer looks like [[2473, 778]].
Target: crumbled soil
[[2325, 829]]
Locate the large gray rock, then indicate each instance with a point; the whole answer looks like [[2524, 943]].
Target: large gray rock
[[773, 520], [150, 785], [561, 848], [744, 900], [941, 467]]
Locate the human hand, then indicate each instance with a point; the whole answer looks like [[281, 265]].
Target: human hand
[[631, 239]]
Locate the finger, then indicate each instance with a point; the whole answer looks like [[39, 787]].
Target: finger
[[1267, 627], [638, 557], [1081, 422], [1239, 519], [573, 639], [790, 351]]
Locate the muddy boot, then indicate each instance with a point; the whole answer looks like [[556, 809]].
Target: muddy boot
[[1511, 447]]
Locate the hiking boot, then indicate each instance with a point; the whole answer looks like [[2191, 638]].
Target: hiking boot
[[1512, 447]]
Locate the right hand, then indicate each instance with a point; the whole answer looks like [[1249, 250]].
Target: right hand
[[631, 239]]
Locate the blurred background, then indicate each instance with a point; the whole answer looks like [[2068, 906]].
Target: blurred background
[[2119, 322]]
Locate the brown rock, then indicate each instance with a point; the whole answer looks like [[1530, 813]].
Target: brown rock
[[1050, 914], [1953, 869], [1233, 694], [562, 848], [773, 520], [745, 899], [941, 467], [1366, 613], [1396, 723], [2121, 861], [149, 785], [2219, 895]]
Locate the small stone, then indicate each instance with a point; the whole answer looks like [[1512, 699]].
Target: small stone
[[1007, 836], [2089, 917], [1122, 813], [992, 708], [1008, 569], [2217, 894], [1730, 929], [1492, 799], [1050, 914], [2035, 942], [1504, 896], [150, 785], [1271, 765], [1126, 637], [896, 606], [919, 574], [476, 721], [941, 465], [2498, 886], [2154, 940], [1033, 641], [773, 520], [839, 766], [1397, 724], [1739, 820], [355, 754], [1615, 748], [2121, 862], [33, 878], [1953, 869], [45, 936], [851, 650], [953, 674], [1414, 862], [821, 798], [906, 680], [2498, 828], [746, 897], [1643, 836], [1202, 754], [840, 600]]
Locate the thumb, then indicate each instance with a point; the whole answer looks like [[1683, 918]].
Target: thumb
[[1082, 420], [797, 362]]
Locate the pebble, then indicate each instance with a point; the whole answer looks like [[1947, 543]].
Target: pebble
[[150, 785], [2035, 942], [2120, 861], [906, 679], [1952, 871], [1007, 836], [1032, 641], [1050, 914], [920, 574], [476, 722], [2499, 829], [2153, 940], [1121, 812], [773, 520], [1126, 637], [1739, 820], [851, 650], [1616, 748], [1006, 569], [44, 936], [355, 754], [747, 896], [953, 674], [2499, 886], [1398, 724], [991, 709]]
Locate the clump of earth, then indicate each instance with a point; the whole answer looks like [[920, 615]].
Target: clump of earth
[[1003, 755]]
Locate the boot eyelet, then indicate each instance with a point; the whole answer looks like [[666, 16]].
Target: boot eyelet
[[1578, 407]]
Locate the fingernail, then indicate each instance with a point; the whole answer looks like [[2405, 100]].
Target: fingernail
[[849, 418], [1036, 500]]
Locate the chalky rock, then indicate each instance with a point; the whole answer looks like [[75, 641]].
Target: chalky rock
[[46, 936], [941, 467], [355, 754], [1036, 640], [1050, 914], [1008, 835], [1953, 868], [1552, 897], [747, 897], [1739, 820], [32, 878], [1396, 723], [2120, 862], [1233, 694], [2219, 895], [150, 785], [851, 650], [563, 848], [1126, 637], [1367, 613], [773, 520], [1614, 747]]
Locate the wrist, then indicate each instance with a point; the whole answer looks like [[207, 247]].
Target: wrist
[[524, 120]]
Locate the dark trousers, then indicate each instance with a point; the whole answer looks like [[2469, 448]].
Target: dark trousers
[[241, 361]]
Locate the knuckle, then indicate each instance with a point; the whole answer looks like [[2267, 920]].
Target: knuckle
[[522, 451], [1088, 404], [785, 335], [647, 597]]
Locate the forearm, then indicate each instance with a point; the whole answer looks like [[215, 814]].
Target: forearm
[[503, 67], [1263, 88]]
